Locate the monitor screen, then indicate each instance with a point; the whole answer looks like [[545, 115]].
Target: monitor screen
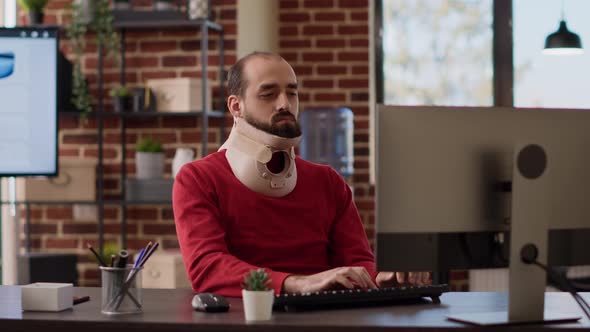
[[444, 184], [28, 101]]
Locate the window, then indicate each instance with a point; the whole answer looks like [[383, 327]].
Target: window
[[437, 52], [542, 80]]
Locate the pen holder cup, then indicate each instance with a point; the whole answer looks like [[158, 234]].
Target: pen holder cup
[[121, 292]]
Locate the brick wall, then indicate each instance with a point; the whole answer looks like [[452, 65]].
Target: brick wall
[[326, 41]]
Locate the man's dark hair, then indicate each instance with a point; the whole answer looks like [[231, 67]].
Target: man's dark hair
[[236, 83]]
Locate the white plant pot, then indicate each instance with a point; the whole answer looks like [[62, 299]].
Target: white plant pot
[[149, 165], [258, 304]]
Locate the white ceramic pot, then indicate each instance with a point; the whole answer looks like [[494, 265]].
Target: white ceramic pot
[[258, 304], [182, 156], [149, 165]]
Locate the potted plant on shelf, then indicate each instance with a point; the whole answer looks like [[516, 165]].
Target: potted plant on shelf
[[96, 16], [149, 159], [35, 10], [121, 98], [257, 295]]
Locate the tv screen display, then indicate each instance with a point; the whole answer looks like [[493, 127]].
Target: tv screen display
[[28, 101]]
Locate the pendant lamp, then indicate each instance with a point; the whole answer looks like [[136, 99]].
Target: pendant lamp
[[563, 41]]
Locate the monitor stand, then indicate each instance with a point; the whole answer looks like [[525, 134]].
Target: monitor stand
[[530, 224]]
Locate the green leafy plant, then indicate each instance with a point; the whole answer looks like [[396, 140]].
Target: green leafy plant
[[120, 91], [148, 144], [256, 280], [108, 249], [102, 24], [33, 5]]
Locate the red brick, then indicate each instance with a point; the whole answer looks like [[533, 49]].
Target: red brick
[[360, 110], [43, 228], [61, 243], [359, 96], [68, 152], [314, 83], [332, 70], [116, 138], [353, 83], [142, 213], [330, 97], [141, 62], [318, 3], [68, 122], [318, 57], [359, 16], [179, 33], [317, 30], [164, 138], [80, 139], [107, 153], [353, 56], [167, 214], [360, 70], [227, 14], [158, 74], [107, 123], [360, 177], [142, 123], [286, 4], [288, 31], [290, 56], [228, 59], [302, 70], [57, 4], [285, 43], [111, 184], [80, 228], [159, 229], [59, 213], [297, 17], [179, 61], [180, 122], [110, 213], [170, 244], [365, 204], [117, 228], [212, 75], [353, 3], [359, 43], [354, 30], [330, 43], [330, 16], [196, 137], [158, 46]]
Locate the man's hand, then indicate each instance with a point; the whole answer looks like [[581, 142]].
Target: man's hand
[[392, 279], [347, 277]]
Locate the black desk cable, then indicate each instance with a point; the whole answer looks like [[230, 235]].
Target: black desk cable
[[529, 254]]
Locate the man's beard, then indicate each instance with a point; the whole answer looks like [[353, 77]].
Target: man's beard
[[286, 129]]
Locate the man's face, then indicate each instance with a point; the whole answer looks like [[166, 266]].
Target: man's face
[[270, 101]]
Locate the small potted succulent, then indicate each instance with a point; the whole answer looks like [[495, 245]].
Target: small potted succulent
[[121, 98], [149, 159], [35, 10], [257, 295]]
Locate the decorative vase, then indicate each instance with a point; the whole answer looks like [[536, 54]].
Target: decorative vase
[[257, 304], [181, 157], [36, 18], [149, 165]]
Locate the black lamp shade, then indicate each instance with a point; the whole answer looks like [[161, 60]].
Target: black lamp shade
[[563, 39]]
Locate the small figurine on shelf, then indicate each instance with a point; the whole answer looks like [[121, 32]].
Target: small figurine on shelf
[[198, 9], [35, 10], [164, 4], [121, 98]]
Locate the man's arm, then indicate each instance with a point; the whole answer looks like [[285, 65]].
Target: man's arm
[[201, 235]]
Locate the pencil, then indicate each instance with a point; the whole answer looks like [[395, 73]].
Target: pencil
[[100, 261]]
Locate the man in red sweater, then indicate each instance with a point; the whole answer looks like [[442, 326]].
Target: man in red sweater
[[255, 204]]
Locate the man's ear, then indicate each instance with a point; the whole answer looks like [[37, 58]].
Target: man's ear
[[233, 105]]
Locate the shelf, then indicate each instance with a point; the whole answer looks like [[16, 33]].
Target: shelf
[[106, 202], [211, 114], [148, 19]]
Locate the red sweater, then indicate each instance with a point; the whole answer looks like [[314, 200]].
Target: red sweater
[[225, 229]]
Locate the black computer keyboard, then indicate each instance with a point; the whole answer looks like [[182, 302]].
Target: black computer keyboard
[[358, 297]]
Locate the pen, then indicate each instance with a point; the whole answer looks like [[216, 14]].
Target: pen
[[82, 299], [122, 259]]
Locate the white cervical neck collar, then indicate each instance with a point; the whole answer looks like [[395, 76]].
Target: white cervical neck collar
[[249, 150]]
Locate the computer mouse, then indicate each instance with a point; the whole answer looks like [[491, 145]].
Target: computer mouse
[[209, 302]]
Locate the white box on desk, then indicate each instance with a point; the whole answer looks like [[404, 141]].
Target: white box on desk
[[165, 269], [47, 296], [179, 94]]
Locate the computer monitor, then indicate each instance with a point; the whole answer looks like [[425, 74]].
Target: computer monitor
[[450, 180], [28, 101]]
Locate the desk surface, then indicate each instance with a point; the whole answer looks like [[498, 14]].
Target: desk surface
[[170, 310]]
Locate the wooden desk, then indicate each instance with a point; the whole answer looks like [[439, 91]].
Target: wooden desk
[[170, 310]]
